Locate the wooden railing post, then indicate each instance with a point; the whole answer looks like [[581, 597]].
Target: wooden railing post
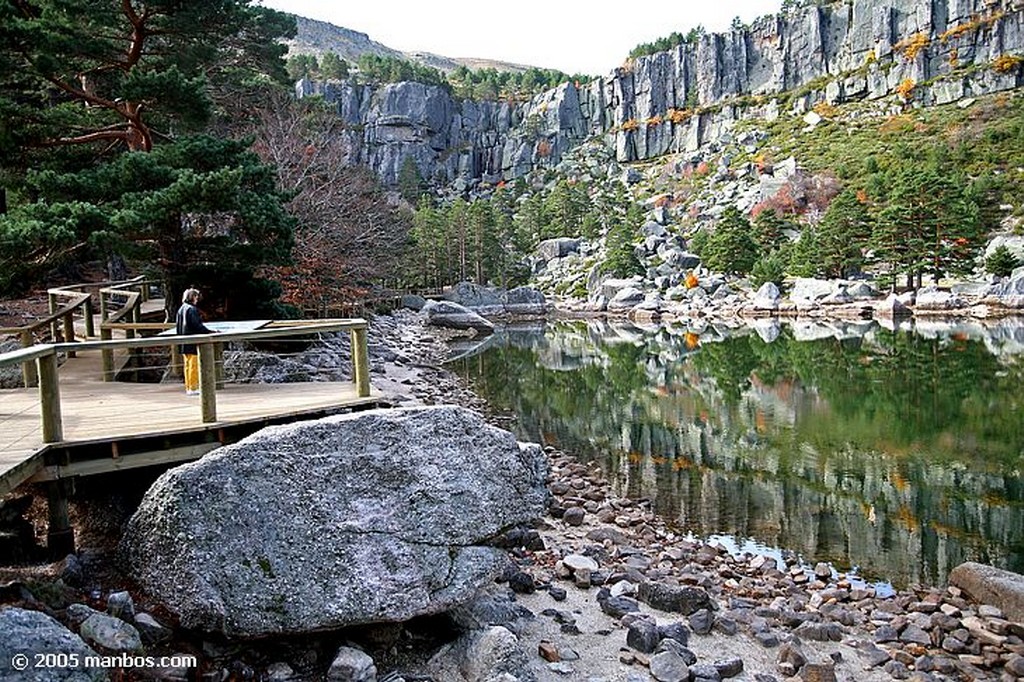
[[69, 330], [52, 301], [90, 329], [104, 313], [107, 354], [177, 364], [49, 398], [208, 382], [29, 373], [360, 362], [218, 358], [130, 333]]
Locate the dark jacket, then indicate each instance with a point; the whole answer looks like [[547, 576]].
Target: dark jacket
[[188, 322]]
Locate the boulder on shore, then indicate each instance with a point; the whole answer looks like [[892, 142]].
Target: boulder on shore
[[455, 316], [993, 586], [478, 298], [372, 517]]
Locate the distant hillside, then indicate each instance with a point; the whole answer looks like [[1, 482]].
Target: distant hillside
[[317, 37]]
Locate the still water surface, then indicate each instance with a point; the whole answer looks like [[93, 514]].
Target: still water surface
[[896, 453]]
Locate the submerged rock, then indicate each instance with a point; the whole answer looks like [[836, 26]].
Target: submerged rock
[[373, 517]]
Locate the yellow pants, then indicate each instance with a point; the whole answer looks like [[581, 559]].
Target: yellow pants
[[191, 372]]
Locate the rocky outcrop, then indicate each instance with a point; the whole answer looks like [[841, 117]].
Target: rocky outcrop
[[691, 95], [374, 517], [1007, 294]]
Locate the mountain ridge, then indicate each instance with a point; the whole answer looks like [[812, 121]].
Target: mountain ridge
[[318, 37]]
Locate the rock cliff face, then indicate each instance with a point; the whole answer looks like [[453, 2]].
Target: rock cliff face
[[687, 97]]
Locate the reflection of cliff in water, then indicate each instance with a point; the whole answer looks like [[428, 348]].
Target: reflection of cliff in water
[[893, 451]]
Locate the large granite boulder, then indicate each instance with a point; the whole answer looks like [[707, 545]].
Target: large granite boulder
[[480, 299], [990, 585], [379, 516], [454, 316], [560, 247], [767, 297], [29, 633], [524, 301], [933, 299], [809, 290], [625, 299]]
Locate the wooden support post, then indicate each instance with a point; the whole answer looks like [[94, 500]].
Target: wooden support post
[[49, 399], [69, 330], [218, 358], [54, 329], [90, 330], [130, 333], [107, 354], [29, 374], [208, 382], [360, 362], [177, 364], [104, 313], [60, 536]]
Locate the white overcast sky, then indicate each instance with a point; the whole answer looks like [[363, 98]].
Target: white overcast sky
[[574, 37]]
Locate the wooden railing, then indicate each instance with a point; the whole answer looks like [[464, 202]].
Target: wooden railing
[[64, 302], [44, 358], [61, 325]]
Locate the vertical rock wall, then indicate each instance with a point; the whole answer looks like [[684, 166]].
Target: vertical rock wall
[[682, 99]]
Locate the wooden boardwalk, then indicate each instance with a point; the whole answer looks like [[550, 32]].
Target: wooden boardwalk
[[104, 423]]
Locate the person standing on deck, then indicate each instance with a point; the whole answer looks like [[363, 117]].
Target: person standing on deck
[[188, 322]]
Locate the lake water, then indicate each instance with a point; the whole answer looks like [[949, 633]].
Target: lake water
[[895, 453]]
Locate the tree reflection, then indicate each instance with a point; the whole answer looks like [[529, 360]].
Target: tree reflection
[[890, 451]]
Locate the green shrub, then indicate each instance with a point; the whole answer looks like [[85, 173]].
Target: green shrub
[[769, 268], [1002, 262]]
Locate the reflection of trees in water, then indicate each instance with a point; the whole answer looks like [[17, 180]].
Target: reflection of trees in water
[[891, 452]]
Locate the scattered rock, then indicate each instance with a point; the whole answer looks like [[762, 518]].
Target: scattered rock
[[111, 634], [686, 600], [352, 665], [29, 633]]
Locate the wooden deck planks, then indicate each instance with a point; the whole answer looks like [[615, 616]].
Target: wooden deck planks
[[94, 411]]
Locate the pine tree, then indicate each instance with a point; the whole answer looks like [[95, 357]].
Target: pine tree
[[411, 185], [1002, 262], [565, 209], [930, 222], [333, 67], [731, 248], [842, 234], [620, 242], [769, 230], [103, 108], [805, 259]]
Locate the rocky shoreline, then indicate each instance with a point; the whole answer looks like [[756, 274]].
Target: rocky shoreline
[[605, 591]]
